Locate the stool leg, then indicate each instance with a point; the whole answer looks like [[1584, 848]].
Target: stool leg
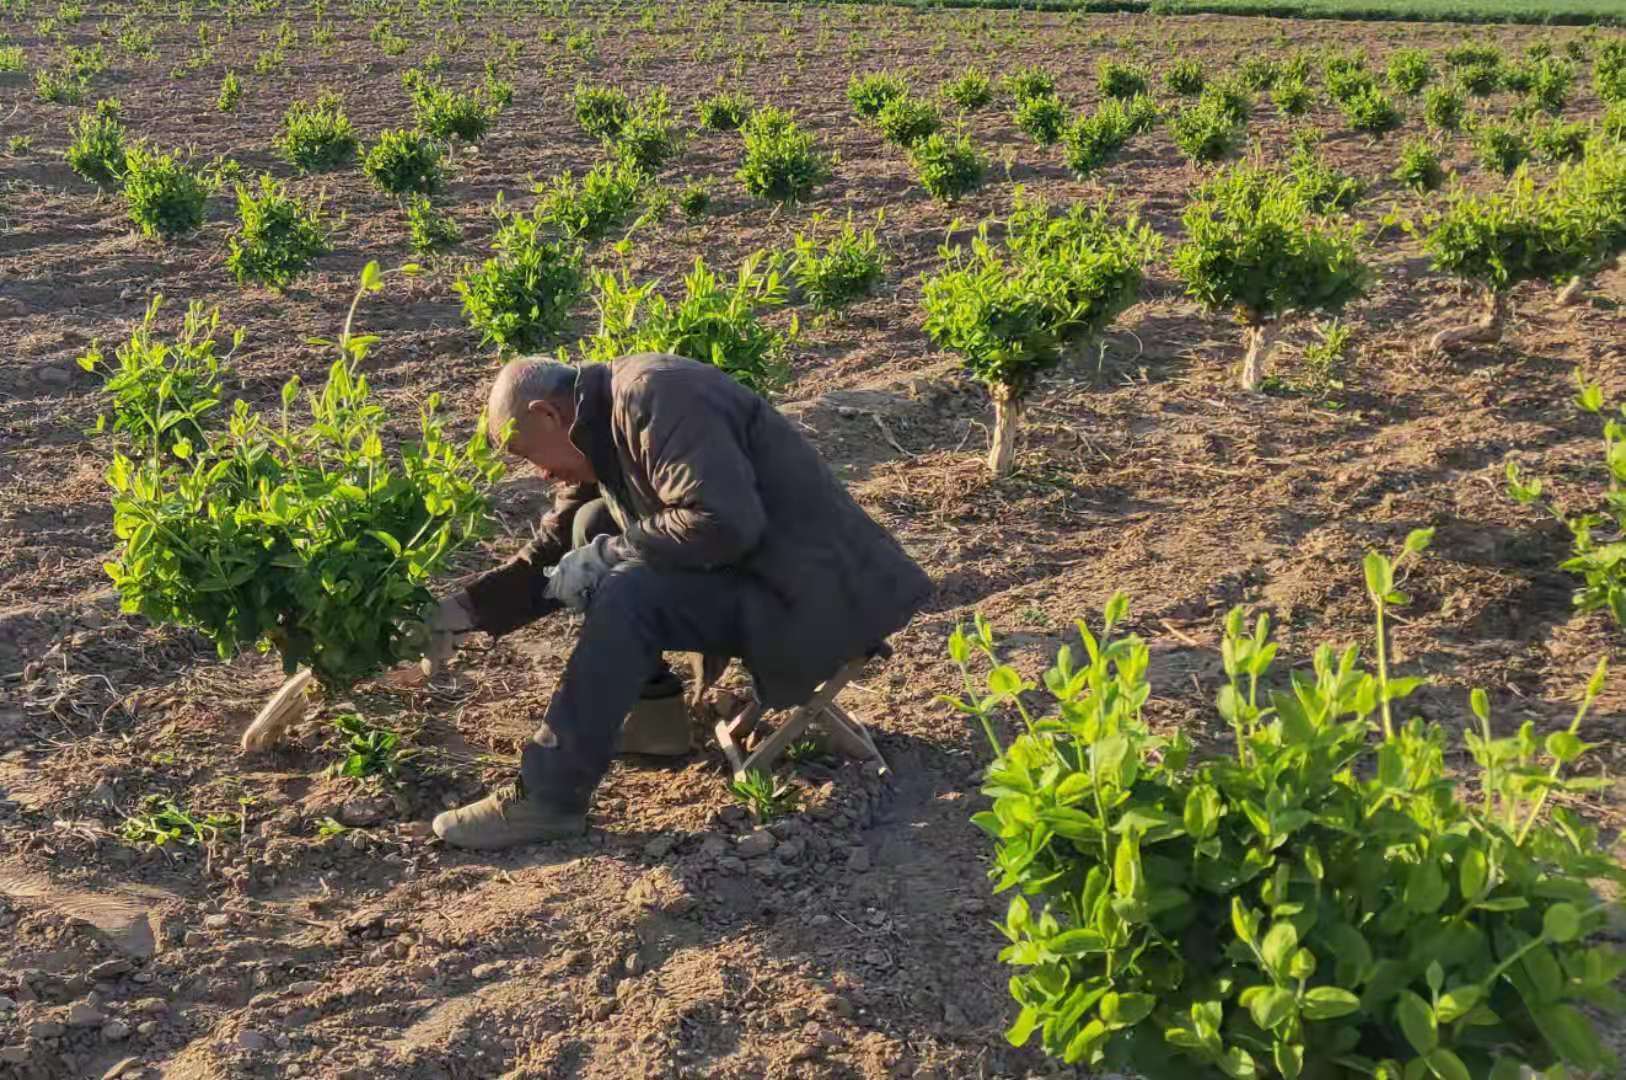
[[851, 737]]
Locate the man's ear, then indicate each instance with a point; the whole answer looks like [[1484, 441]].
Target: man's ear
[[545, 411]]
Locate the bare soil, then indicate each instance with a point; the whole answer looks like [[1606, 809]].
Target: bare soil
[[862, 946]]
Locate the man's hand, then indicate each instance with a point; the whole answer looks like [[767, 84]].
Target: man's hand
[[579, 572]]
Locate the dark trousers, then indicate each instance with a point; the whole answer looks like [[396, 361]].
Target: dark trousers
[[636, 614]]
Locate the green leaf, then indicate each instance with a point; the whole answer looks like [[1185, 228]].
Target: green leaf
[[1328, 1003], [1425, 888], [372, 279], [1561, 923], [1379, 575], [1126, 867], [1077, 943], [1417, 1022], [1026, 1020], [1004, 681], [1289, 1059], [1570, 1034], [1272, 1005], [1277, 948], [1457, 1003], [1241, 922], [1564, 746], [1472, 870], [1446, 1065]]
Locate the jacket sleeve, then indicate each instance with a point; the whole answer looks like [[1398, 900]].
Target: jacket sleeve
[[688, 442], [514, 594]]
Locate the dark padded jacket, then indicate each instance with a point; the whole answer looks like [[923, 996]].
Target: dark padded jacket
[[711, 477]]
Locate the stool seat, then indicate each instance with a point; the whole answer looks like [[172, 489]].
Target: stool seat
[[847, 735]]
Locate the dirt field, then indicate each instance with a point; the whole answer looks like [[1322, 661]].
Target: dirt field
[[861, 946]]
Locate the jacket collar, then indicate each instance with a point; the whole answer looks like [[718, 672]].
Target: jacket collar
[[591, 432]]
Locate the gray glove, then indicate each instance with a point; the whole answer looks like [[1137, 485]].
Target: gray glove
[[572, 582], [446, 619]]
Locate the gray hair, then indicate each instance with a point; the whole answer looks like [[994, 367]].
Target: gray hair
[[526, 380]]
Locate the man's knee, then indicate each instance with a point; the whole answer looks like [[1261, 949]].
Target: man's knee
[[592, 520]]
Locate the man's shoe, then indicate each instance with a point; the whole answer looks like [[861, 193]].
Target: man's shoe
[[657, 727], [506, 818]]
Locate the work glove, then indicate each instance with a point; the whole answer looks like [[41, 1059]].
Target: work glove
[[445, 619], [572, 582]]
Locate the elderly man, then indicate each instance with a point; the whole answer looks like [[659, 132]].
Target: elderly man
[[688, 516]]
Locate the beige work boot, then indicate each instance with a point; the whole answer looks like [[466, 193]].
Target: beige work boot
[[658, 727], [506, 818]]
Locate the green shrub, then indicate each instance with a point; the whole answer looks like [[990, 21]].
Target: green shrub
[[1480, 80], [277, 237], [694, 199], [1443, 108], [1030, 82], [838, 271], [906, 120], [600, 202], [1258, 73], [1410, 71], [12, 59], [1058, 282], [430, 229], [1613, 124], [648, 137], [403, 161], [1371, 112], [1609, 72], [1419, 167], [600, 110], [451, 114], [969, 90], [1345, 75], [1304, 903], [1119, 80], [1091, 141], [162, 394], [723, 112], [231, 92], [1597, 563], [1231, 98], [1041, 118], [1324, 188], [1185, 77], [1255, 247], [713, 322], [1203, 132], [59, 87], [782, 162], [1558, 140], [316, 138], [947, 166], [307, 538], [164, 196], [1550, 84], [1500, 147], [525, 291], [869, 94], [1293, 97], [97, 150]]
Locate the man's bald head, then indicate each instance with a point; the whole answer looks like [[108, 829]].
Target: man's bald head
[[529, 379], [539, 397]]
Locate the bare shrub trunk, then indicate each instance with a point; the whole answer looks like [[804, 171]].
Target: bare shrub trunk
[[1007, 416], [1485, 330], [286, 707], [1574, 291], [1261, 340]]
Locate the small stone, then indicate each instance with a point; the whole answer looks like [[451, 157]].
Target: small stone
[[84, 1014], [127, 293], [877, 958], [252, 1040], [634, 964], [487, 970], [303, 987], [45, 1029], [790, 850], [14, 1055], [858, 859], [109, 969], [147, 1028], [730, 865], [359, 813], [659, 847], [122, 1067], [713, 846], [6, 1004], [954, 1015], [195, 939], [838, 1005], [141, 977], [756, 844], [768, 868], [115, 1031], [52, 375], [218, 921]]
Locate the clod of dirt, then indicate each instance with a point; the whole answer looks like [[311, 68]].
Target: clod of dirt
[[755, 845]]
